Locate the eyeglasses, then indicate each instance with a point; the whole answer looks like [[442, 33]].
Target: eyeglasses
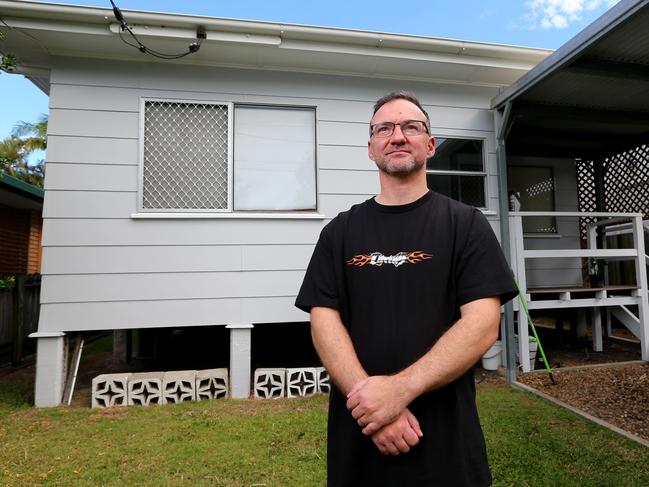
[[408, 128]]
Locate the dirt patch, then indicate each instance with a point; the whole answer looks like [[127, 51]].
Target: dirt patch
[[616, 394], [569, 355]]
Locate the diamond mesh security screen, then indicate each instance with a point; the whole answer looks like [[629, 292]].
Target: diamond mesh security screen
[[626, 184], [185, 156]]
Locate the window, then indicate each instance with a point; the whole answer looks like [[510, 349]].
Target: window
[[533, 187], [220, 157], [457, 170]]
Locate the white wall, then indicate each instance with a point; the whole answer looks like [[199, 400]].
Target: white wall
[[555, 272], [103, 269]]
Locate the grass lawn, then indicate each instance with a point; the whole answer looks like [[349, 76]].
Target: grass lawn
[[282, 443]]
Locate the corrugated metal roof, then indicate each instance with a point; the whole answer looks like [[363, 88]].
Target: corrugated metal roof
[[591, 97]]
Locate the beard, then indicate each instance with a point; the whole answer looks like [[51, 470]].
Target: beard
[[402, 168]]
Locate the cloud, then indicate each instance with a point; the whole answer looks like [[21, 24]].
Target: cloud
[[559, 14]]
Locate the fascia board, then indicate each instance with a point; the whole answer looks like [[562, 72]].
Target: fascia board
[[96, 20]]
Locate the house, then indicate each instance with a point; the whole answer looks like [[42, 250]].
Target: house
[[21, 206], [166, 202]]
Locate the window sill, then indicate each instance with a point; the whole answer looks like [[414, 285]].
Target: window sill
[[230, 216]]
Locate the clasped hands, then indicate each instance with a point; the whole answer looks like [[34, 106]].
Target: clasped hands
[[379, 406]]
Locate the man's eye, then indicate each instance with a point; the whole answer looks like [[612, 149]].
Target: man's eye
[[411, 127], [382, 130]]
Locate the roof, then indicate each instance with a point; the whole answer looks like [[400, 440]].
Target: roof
[[590, 98], [41, 31], [19, 194]]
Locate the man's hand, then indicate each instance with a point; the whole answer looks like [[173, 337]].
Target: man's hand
[[398, 436], [377, 401]]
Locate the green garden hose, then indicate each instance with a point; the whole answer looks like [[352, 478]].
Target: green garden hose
[[529, 320]]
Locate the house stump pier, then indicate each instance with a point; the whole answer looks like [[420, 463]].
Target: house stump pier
[[240, 357], [51, 368]]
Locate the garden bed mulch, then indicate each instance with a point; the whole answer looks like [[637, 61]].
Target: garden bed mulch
[[616, 394]]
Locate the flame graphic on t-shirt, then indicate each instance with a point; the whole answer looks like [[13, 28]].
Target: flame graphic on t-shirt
[[378, 259]]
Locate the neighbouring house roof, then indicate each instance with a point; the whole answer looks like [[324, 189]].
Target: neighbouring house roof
[[41, 31], [590, 98], [19, 194]]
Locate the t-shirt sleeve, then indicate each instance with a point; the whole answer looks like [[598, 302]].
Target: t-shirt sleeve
[[319, 287], [482, 269]]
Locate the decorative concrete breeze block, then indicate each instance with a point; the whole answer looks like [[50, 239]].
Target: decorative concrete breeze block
[[110, 390], [179, 386], [211, 384], [269, 383], [324, 381], [145, 389], [301, 381]]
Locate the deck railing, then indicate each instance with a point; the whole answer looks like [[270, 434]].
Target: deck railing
[[595, 298]]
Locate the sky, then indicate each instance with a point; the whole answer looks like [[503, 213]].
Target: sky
[[532, 23]]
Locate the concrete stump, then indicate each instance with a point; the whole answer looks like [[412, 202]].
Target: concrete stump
[[301, 381], [145, 389], [110, 390], [179, 386], [211, 384], [269, 383]]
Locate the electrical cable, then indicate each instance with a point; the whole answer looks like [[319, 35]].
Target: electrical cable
[[124, 27], [26, 34]]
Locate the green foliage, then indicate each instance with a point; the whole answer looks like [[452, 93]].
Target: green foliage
[[7, 281], [7, 60], [25, 139]]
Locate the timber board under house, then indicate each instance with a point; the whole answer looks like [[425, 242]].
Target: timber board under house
[[135, 238]]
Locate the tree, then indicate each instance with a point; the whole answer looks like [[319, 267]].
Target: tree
[[25, 139]]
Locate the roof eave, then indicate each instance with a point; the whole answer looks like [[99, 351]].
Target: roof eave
[[335, 36], [570, 50]]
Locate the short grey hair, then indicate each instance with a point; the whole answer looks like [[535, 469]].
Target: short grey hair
[[400, 95]]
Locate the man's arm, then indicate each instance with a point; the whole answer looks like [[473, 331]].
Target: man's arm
[[379, 400], [337, 353], [335, 348]]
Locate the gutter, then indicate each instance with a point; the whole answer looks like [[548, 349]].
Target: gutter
[[57, 13], [21, 186]]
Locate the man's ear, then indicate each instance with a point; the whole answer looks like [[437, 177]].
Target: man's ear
[[369, 151], [431, 147]]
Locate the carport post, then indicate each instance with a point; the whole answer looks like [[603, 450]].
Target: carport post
[[502, 125], [240, 356]]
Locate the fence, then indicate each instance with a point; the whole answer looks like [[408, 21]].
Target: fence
[[19, 308]]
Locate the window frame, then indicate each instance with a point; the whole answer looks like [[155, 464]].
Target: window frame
[[554, 234], [279, 106], [228, 212], [484, 174]]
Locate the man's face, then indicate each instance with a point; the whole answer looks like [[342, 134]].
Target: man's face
[[399, 154]]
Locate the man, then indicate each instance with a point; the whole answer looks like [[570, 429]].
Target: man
[[404, 292]]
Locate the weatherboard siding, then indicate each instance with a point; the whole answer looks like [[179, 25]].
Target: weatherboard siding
[[565, 271], [104, 269]]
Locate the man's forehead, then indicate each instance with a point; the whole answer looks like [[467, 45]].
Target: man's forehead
[[395, 108]]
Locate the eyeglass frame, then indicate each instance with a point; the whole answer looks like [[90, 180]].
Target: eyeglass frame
[[400, 124]]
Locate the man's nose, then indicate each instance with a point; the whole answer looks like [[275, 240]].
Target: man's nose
[[397, 135]]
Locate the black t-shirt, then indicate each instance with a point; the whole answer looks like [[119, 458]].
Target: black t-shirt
[[398, 276]]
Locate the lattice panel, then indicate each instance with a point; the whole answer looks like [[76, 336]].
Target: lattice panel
[[626, 184], [185, 156], [586, 198], [626, 181]]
